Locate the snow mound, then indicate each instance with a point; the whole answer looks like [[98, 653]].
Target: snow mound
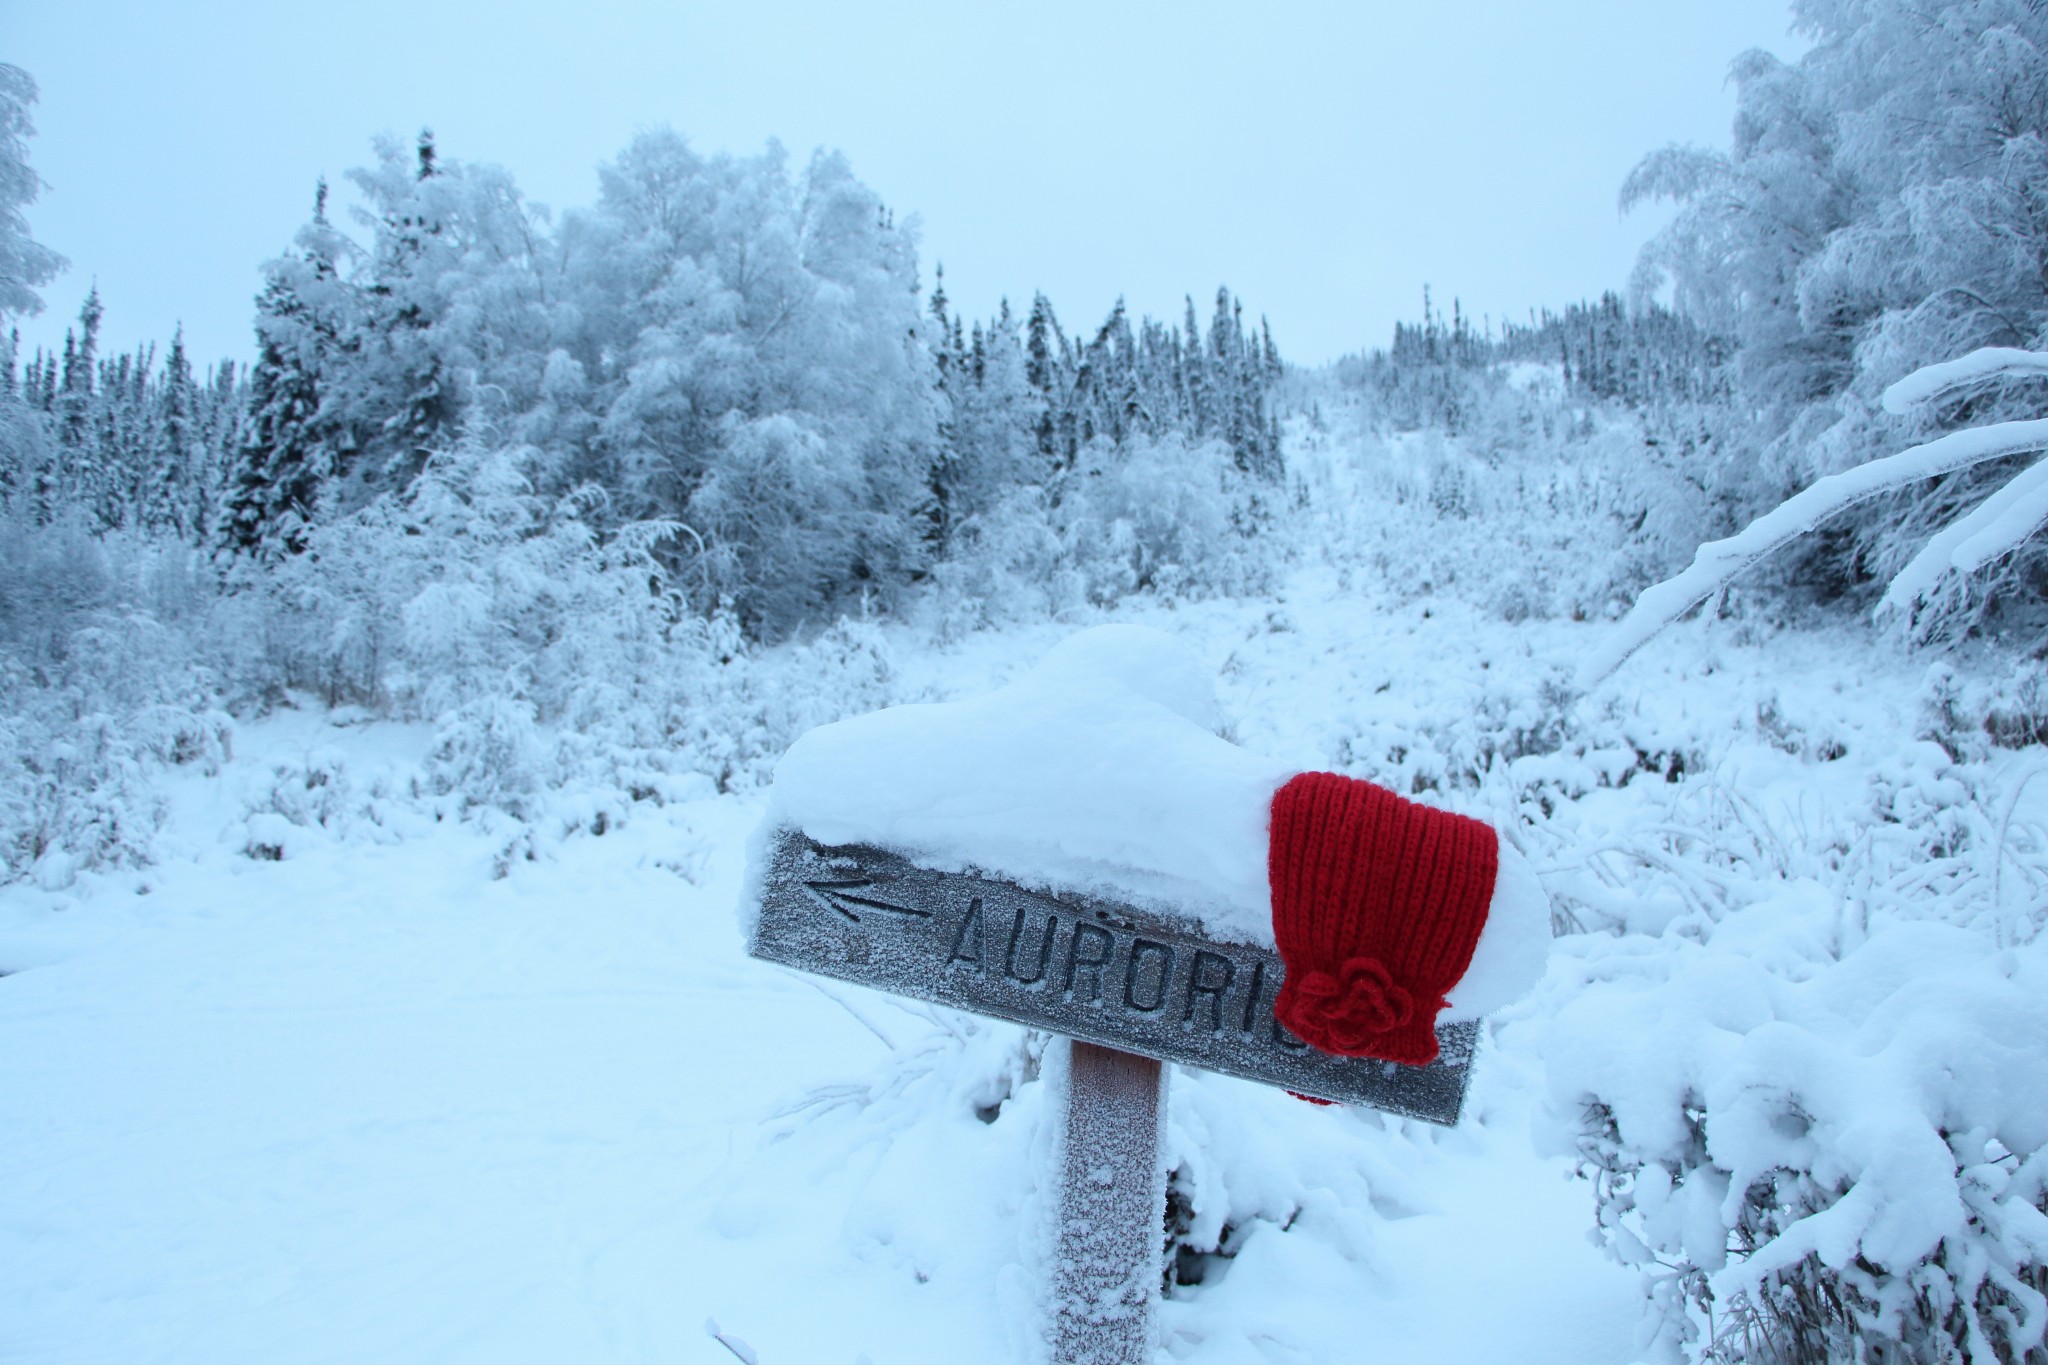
[[1891, 1105], [1097, 772]]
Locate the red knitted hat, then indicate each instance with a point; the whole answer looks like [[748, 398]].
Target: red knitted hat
[[1377, 906]]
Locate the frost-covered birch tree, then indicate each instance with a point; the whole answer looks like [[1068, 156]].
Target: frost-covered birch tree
[[1882, 206], [25, 263]]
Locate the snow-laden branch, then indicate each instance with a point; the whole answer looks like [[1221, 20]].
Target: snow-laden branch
[[1719, 561], [1930, 382], [1991, 528]]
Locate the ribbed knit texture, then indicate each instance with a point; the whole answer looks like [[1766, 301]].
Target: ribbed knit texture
[[1377, 906]]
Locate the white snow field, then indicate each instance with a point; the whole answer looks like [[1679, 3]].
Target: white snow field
[[359, 1080]]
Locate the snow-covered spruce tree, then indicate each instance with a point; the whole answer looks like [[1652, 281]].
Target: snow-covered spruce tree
[[372, 355], [176, 485], [948, 348], [1041, 335], [1883, 206], [994, 418], [75, 389], [398, 390], [288, 446]]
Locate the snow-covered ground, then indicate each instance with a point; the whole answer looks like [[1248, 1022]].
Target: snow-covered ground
[[422, 1088]]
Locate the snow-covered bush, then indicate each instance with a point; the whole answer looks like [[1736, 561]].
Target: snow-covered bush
[[470, 585], [1807, 1067], [738, 717], [1538, 506], [1164, 517], [321, 789], [1967, 715], [100, 687], [544, 654]]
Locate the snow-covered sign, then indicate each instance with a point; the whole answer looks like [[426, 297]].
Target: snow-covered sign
[[1139, 981], [1082, 852]]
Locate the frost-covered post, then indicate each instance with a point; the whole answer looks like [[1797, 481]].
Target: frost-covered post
[[1112, 1186]]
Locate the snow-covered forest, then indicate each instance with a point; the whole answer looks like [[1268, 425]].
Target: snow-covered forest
[[383, 718]]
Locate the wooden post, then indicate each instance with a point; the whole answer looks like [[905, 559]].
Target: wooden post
[[1112, 1201]]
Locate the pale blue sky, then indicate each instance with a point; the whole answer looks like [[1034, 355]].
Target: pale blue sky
[[1323, 159]]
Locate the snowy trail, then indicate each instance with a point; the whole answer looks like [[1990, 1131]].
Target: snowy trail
[[270, 1121]]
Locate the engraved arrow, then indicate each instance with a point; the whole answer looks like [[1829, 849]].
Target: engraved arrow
[[838, 896]]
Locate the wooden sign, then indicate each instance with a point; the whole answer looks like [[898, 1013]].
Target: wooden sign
[[1131, 988], [1130, 979]]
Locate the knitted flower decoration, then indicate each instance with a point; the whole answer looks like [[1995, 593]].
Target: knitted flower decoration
[[1347, 1012]]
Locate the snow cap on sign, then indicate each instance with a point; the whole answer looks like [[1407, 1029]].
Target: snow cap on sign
[[1098, 772]]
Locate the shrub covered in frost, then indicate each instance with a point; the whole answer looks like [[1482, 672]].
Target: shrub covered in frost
[[1522, 742], [100, 688], [1808, 1072], [1163, 516], [1535, 507], [545, 657], [537, 648]]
